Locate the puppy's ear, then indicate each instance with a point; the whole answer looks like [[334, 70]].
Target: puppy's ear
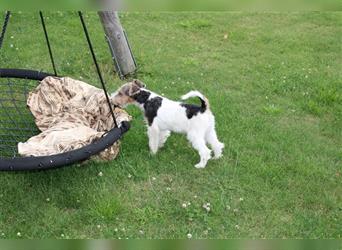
[[139, 83], [134, 89]]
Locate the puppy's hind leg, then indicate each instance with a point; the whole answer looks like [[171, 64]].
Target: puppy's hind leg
[[199, 144], [216, 145], [153, 138]]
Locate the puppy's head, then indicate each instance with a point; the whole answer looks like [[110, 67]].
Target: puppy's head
[[124, 95]]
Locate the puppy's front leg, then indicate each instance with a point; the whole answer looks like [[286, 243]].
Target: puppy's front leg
[[153, 138], [163, 135]]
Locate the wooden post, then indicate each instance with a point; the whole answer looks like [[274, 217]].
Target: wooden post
[[118, 43]]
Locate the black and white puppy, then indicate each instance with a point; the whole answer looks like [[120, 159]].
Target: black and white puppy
[[165, 116]]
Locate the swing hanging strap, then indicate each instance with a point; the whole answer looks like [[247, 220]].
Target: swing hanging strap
[[48, 42], [3, 31], [97, 66]]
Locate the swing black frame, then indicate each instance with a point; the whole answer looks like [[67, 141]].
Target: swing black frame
[[71, 157]]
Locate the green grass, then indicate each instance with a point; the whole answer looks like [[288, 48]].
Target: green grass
[[275, 87]]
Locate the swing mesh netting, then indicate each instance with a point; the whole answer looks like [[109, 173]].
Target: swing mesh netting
[[16, 121]]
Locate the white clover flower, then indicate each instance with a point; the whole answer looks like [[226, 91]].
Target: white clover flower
[[168, 189], [115, 229], [11, 45], [19, 234], [129, 176], [47, 199], [62, 235], [237, 226], [141, 231], [184, 205], [100, 174], [98, 226], [12, 37], [206, 206], [241, 199], [189, 235], [153, 178]]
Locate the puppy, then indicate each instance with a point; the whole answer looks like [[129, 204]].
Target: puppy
[[164, 116]]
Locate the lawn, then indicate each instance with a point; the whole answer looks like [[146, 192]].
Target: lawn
[[274, 83]]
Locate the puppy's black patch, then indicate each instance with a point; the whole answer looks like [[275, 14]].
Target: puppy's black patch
[[151, 108], [192, 109], [142, 96]]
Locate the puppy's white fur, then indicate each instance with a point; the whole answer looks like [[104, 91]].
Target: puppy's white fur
[[172, 117]]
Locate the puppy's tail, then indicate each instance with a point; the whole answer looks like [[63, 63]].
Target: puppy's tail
[[194, 93]]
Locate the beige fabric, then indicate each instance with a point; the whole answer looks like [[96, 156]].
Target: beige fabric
[[70, 114]]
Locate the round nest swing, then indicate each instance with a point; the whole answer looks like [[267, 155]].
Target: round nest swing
[[17, 123]]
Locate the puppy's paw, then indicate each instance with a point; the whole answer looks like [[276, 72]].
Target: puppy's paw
[[218, 151], [200, 165], [153, 152], [218, 156]]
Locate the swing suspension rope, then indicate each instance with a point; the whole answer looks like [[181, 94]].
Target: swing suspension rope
[[3, 31], [93, 56], [97, 66], [48, 42], [52, 58]]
